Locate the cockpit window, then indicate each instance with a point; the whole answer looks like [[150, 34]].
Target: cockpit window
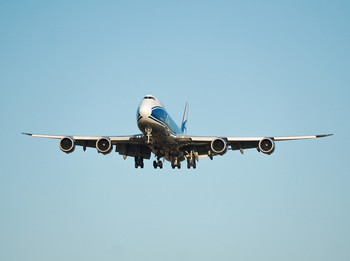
[[149, 98]]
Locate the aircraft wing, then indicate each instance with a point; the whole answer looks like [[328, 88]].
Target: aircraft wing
[[132, 145], [205, 146], [114, 139]]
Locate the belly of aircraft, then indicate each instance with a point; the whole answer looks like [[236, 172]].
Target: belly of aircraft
[[163, 143]]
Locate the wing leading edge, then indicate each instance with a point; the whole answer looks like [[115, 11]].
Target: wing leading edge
[[114, 139], [133, 145], [211, 145]]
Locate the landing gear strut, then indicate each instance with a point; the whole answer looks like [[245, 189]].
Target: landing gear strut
[[175, 163], [148, 131], [191, 163], [191, 160], [139, 162], [158, 163]]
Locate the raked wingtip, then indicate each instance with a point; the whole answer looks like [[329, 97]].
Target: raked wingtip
[[324, 135]]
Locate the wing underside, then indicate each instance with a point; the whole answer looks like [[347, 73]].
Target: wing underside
[[204, 145], [181, 148], [133, 145]]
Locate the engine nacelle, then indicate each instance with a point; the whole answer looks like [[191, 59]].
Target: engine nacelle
[[267, 146], [67, 144], [104, 145], [219, 146]]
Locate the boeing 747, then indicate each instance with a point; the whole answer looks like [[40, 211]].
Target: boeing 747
[[162, 137]]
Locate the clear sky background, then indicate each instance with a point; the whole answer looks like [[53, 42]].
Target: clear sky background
[[247, 68]]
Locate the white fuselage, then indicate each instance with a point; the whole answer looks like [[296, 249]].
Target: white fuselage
[[155, 123], [152, 114]]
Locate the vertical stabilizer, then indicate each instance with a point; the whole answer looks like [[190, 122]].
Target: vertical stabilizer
[[184, 120]]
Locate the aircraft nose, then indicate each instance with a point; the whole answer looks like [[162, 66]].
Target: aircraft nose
[[144, 110]]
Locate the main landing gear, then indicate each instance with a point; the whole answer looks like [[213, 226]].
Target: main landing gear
[[191, 164], [158, 163], [191, 160], [175, 163], [139, 162]]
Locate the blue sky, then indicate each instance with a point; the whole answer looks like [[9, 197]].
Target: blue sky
[[247, 68]]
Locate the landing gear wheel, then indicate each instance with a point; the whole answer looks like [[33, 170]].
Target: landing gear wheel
[[176, 163], [139, 162], [157, 164], [191, 164]]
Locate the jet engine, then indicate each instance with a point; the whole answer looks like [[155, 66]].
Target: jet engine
[[104, 145], [67, 144], [219, 146], [266, 146]]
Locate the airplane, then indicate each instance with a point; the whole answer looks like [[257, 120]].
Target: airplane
[[162, 137]]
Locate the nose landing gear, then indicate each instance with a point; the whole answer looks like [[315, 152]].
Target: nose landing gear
[[148, 131]]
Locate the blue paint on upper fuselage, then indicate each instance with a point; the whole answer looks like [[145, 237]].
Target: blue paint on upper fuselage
[[160, 115], [157, 114]]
